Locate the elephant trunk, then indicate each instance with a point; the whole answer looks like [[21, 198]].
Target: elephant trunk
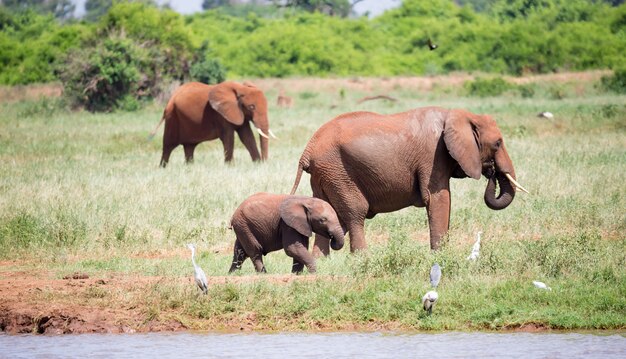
[[503, 167], [336, 239], [507, 192]]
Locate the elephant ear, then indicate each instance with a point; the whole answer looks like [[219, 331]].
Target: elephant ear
[[460, 138], [293, 212], [224, 99]]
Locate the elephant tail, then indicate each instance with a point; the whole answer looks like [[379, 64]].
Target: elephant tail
[[151, 135], [303, 165]]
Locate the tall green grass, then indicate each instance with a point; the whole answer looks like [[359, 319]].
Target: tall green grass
[[83, 192]]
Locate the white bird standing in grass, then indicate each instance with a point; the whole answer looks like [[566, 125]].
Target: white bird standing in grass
[[429, 299], [541, 285], [545, 114], [199, 275], [476, 248]]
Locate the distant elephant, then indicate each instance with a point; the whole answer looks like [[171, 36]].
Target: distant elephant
[[197, 112], [364, 163], [267, 222]]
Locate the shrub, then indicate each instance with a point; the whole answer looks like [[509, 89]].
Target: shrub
[[526, 90], [162, 31], [31, 45], [101, 78], [209, 71], [615, 82], [557, 92], [207, 68], [487, 87]]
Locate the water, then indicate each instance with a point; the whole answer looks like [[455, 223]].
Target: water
[[302, 345]]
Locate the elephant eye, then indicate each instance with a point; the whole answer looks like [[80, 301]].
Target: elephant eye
[[323, 219], [498, 144]]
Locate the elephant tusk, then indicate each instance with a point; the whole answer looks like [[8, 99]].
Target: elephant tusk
[[515, 183], [261, 133], [272, 134]]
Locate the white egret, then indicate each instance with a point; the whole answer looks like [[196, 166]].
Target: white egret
[[199, 275], [476, 248], [541, 285], [428, 301], [545, 114]]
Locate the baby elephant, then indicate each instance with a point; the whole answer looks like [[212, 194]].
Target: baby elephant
[[267, 222]]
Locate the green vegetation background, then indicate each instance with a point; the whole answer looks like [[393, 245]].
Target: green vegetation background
[[505, 36]]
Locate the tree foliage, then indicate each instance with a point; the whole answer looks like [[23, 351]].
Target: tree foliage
[[114, 72], [95, 9], [501, 37], [341, 8], [61, 9], [31, 44], [206, 68]]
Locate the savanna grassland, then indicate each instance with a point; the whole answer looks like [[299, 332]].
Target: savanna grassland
[[82, 197]]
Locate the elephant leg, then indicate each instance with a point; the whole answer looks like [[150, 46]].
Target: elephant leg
[[297, 247], [167, 151], [321, 246], [239, 256], [297, 267], [228, 140], [247, 138], [257, 260], [251, 247], [351, 207], [189, 149], [356, 228], [438, 209]]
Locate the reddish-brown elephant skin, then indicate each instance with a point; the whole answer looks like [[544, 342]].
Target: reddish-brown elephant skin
[[364, 163], [197, 112], [266, 222]]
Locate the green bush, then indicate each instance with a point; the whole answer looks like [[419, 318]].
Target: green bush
[[207, 69], [526, 90], [31, 45], [557, 92], [102, 77], [515, 37], [615, 82], [163, 32], [487, 87]]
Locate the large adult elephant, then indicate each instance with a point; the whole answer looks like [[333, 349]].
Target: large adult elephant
[[364, 163], [197, 112]]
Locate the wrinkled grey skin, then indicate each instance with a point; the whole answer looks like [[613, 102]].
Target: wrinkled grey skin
[[364, 163], [266, 222]]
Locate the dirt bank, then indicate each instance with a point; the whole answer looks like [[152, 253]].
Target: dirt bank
[[35, 302], [41, 303]]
